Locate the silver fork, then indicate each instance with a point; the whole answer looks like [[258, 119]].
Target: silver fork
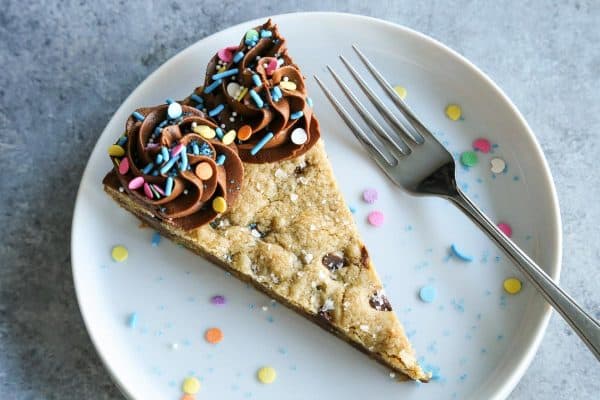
[[416, 161]]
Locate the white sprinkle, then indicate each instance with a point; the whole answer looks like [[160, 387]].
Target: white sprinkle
[[233, 89], [281, 174], [293, 197], [299, 136], [392, 375], [234, 114], [174, 346], [231, 119], [185, 191], [223, 126], [364, 328], [497, 165], [121, 189], [285, 79], [265, 308], [194, 124]]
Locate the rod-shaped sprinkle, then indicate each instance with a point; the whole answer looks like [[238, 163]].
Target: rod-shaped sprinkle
[[212, 86], [215, 111], [169, 186], [221, 159], [137, 116], [165, 153], [257, 100], [225, 74], [262, 143], [296, 115], [196, 98], [238, 56]]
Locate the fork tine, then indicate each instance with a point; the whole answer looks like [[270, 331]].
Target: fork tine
[[400, 104], [396, 142], [406, 132], [369, 141]]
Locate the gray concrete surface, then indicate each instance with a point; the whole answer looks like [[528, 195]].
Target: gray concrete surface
[[65, 66]]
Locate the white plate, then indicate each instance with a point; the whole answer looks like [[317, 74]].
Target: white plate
[[480, 339]]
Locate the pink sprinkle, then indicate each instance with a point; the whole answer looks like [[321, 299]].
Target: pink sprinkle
[[124, 166], [147, 191], [482, 145], [177, 149], [159, 190], [152, 146], [375, 218], [272, 66], [370, 195], [136, 183], [226, 53], [218, 300], [505, 228]]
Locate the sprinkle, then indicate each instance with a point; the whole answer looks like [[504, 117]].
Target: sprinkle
[[251, 37], [204, 171], [137, 116], [299, 136], [427, 294], [226, 53], [218, 300], [213, 335], [184, 161], [157, 189], [116, 151], [242, 94], [148, 168], [174, 346], [221, 159], [370, 195], [287, 85], [205, 131], [256, 80], [226, 74], [512, 285], [169, 186], [196, 98], [158, 159], [229, 137], [195, 148], [257, 100], [122, 140], [155, 239], [119, 253], [261, 143], [215, 111], [460, 255], [190, 385], [296, 115], [124, 166], [219, 204], [468, 158], [233, 89], [497, 165], [165, 153], [266, 375], [132, 320], [136, 183], [265, 33], [482, 145], [238, 56], [505, 228], [148, 191], [453, 112], [375, 218], [400, 91], [165, 168], [174, 110], [276, 93], [272, 66], [309, 102], [244, 132], [212, 86], [218, 132], [177, 149]]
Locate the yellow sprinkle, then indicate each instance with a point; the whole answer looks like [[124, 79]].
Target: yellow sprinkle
[[512, 285], [400, 91], [219, 204], [205, 131], [119, 253], [243, 93], [287, 85], [267, 375], [116, 151], [191, 385], [453, 111], [229, 137], [222, 69]]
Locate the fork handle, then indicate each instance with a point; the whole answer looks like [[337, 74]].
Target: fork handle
[[586, 327]]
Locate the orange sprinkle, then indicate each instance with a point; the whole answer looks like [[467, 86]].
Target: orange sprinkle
[[188, 397], [244, 132], [204, 171], [213, 335]]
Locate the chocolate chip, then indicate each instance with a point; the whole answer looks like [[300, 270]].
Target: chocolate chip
[[326, 315], [333, 261], [379, 302], [300, 169], [364, 257]]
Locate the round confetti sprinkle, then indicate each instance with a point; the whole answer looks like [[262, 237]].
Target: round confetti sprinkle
[[136, 183], [205, 131], [453, 112], [229, 137], [370, 195], [116, 151], [512, 285], [266, 375], [427, 293], [482, 145], [174, 110], [124, 166], [213, 335], [204, 171], [400, 91], [218, 300], [287, 85], [233, 89], [188, 397], [375, 218], [190, 385], [459, 254], [497, 165], [505, 228], [119, 253], [244, 132], [468, 158], [219, 204], [299, 136]]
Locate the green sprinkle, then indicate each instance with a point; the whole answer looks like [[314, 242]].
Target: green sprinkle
[[469, 159]]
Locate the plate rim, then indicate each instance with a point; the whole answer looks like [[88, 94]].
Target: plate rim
[[535, 339]]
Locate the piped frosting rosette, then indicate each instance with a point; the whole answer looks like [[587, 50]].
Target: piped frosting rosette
[[255, 91], [179, 163]]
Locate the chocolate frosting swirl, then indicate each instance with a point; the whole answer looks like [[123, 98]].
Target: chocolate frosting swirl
[[189, 203], [285, 105]]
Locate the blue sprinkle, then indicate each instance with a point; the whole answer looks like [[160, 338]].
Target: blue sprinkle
[[122, 140], [138, 116], [221, 159], [133, 319], [155, 239], [195, 148], [261, 143], [427, 293], [238, 56], [352, 209], [196, 98], [169, 101], [219, 132], [157, 131], [224, 74], [212, 86], [309, 102], [265, 33], [155, 173], [205, 149], [277, 92], [165, 168], [184, 160], [215, 111], [459, 254], [165, 153], [163, 124], [259, 102], [148, 168], [296, 115], [256, 80]]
